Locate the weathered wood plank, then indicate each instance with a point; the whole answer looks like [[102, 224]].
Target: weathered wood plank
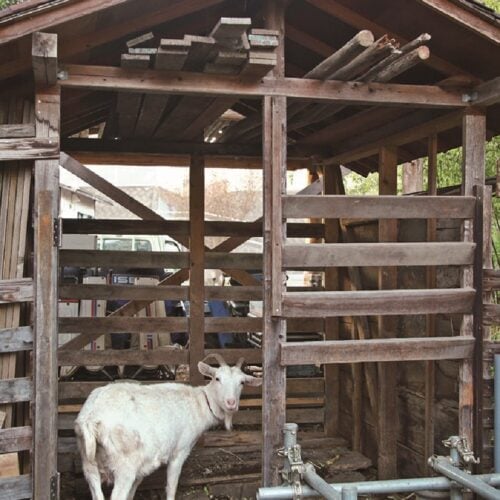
[[381, 302], [154, 260], [10, 131], [16, 488], [491, 314], [376, 350], [295, 386], [487, 94], [379, 207], [19, 290], [44, 58], [16, 339], [15, 439], [16, 390], [491, 280], [145, 292], [166, 356], [190, 83], [181, 228], [319, 255], [29, 149]]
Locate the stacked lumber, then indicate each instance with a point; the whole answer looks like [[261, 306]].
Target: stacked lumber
[[361, 59], [15, 182], [231, 47]]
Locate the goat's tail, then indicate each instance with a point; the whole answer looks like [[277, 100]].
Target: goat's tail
[[87, 440]]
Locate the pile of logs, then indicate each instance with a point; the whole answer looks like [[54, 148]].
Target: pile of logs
[[361, 59], [232, 47]]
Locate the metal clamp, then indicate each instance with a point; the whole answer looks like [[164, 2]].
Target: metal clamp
[[461, 445]]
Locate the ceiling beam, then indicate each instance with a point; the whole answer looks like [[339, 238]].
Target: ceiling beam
[[486, 94], [188, 83], [308, 41]]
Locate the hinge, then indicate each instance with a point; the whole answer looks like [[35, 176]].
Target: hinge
[[57, 233], [54, 487]]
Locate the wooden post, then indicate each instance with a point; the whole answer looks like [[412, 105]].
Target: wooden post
[[332, 180], [473, 141], [430, 366], [47, 119], [274, 164], [387, 328], [196, 267]]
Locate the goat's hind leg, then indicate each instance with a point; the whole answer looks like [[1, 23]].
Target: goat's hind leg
[[93, 477]]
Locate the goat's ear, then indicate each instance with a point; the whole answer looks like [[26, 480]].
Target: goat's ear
[[206, 370], [255, 381]]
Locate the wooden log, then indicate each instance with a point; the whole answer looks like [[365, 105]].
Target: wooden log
[[16, 390], [17, 130], [201, 84], [376, 350], [403, 64], [379, 207], [29, 148], [16, 339], [383, 302], [377, 254], [19, 290], [15, 439]]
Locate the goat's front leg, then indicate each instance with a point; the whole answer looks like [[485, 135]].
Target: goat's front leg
[[174, 471]]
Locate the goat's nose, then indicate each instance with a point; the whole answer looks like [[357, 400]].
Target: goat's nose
[[231, 403]]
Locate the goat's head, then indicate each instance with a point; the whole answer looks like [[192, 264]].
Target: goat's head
[[226, 385]]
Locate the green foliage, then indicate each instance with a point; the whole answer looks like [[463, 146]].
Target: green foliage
[[6, 3]]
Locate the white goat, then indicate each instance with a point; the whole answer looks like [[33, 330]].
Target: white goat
[[127, 430]]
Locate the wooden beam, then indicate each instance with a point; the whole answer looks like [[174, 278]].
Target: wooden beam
[[190, 83], [465, 19], [46, 194], [16, 487], [44, 57], [308, 41], [15, 439], [388, 415], [379, 207], [317, 255], [29, 149], [274, 140], [16, 291], [196, 268], [105, 187], [376, 350], [486, 94], [473, 158], [181, 228]]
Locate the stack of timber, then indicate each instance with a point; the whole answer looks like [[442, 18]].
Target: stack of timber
[[230, 48], [361, 59], [15, 292]]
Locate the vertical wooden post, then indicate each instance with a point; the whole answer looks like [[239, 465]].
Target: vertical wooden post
[[430, 366], [274, 164], [196, 267], [473, 141], [47, 118], [332, 179], [387, 327]]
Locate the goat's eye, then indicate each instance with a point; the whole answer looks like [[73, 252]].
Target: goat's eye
[[217, 378], [242, 382]]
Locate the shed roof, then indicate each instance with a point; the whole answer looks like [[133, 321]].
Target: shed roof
[[465, 50]]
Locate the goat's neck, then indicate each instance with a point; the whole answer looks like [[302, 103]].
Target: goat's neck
[[213, 408]]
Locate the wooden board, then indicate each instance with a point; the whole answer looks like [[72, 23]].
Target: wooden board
[[16, 339], [376, 350], [15, 439], [28, 149], [17, 290], [16, 390], [379, 207]]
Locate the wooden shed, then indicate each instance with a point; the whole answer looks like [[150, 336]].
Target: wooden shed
[[397, 326]]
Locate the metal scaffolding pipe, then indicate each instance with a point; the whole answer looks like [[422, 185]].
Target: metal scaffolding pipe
[[349, 493], [443, 466], [497, 413], [319, 484], [377, 487]]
